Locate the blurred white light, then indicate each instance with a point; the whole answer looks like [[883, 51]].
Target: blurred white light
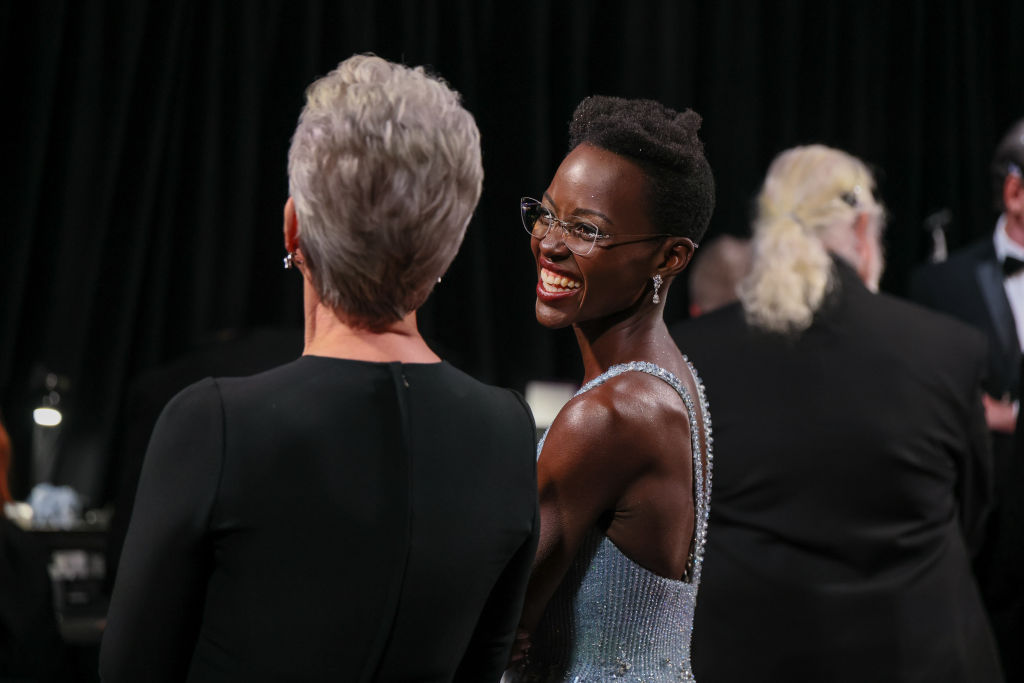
[[46, 417], [546, 399]]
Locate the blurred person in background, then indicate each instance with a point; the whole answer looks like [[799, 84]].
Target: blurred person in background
[[983, 285], [716, 273], [367, 511], [852, 467]]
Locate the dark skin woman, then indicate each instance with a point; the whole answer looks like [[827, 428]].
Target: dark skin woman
[[617, 458]]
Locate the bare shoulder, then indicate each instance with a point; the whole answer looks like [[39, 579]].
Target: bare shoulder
[[632, 414]]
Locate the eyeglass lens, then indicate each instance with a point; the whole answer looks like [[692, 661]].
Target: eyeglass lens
[[579, 236]]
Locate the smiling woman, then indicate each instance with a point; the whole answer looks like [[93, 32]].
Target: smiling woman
[[611, 191], [624, 472]]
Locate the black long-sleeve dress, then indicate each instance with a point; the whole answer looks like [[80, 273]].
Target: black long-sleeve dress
[[328, 520]]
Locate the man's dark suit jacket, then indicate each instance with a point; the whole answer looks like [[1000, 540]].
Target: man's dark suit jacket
[[969, 286], [850, 486]]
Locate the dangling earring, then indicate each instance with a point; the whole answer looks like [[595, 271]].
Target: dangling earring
[[289, 260], [657, 285]]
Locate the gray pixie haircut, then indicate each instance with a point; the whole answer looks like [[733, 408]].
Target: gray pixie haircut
[[384, 170]]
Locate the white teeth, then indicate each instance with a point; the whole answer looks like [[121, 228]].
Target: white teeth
[[557, 283]]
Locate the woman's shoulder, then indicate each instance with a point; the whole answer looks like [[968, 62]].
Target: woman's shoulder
[[632, 410], [638, 393], [196, 397], [210, 398]]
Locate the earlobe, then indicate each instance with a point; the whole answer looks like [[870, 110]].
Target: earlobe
[[868, 252], [1013, 193], [291, 227], [862, 230]]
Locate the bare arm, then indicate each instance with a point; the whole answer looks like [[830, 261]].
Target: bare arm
[[578, 481], [618, 458]]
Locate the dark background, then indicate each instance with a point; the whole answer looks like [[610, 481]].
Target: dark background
[[145, 147]]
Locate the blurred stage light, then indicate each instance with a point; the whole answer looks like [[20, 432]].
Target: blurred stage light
[[46, 416], [48, 413]]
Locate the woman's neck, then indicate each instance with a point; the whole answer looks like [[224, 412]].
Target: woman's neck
[[607, 343], [327, 334]]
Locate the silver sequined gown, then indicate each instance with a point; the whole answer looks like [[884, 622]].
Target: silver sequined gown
[[611, 619]]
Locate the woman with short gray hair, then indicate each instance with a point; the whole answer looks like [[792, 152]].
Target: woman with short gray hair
[[366, 512], [384, 181]]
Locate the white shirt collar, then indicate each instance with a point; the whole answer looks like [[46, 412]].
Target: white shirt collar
[[1004, 245]]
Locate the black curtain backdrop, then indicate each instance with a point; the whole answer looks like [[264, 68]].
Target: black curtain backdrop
[[146, 146]]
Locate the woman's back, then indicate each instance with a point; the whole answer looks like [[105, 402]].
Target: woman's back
[[358, 521], [611, 617]]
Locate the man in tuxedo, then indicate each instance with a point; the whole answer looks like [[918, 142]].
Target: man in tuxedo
[[983, 285]]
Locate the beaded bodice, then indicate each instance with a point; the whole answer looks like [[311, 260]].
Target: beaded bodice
[[610, 618]]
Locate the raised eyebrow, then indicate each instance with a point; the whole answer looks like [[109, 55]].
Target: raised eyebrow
[[581, 212]]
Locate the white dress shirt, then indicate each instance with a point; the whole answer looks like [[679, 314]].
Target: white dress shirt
[[1014, 285]]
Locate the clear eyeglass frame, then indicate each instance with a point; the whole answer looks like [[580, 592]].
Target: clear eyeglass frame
[[579, 236]]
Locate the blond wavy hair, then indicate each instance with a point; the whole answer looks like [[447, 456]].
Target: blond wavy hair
[[385, 172], [807, 208]]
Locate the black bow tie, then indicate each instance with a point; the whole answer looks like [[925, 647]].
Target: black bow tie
[[1012, 266]]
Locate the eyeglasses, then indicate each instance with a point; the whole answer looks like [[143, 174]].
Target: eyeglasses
[[579, 237]]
